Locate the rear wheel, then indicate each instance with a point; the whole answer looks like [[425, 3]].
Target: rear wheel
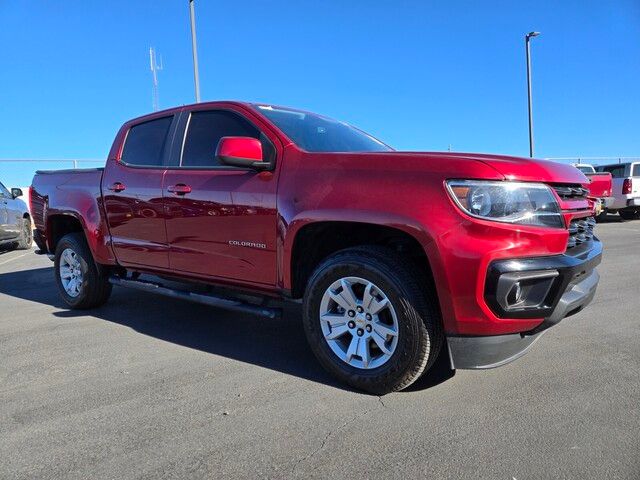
[[80, 283], [26, 235], [369, 320], [631, 214]]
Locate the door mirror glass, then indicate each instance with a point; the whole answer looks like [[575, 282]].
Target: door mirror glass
[[16, 192], [241, 152]]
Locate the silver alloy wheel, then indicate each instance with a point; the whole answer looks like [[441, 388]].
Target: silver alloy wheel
[[28, 232], [359, 322], [70, 272]]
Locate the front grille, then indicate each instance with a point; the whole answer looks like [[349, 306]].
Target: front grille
[[571, 191], [580, 231]]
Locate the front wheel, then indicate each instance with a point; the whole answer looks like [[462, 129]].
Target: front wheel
[[630, 214], [601, 216], [80, 283], [369, 320], [26, 235]]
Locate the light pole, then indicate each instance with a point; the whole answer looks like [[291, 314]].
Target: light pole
[[528, 37], [194, 48]]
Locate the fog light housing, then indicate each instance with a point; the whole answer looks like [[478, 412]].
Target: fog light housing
[[524, 290], [514, 297]]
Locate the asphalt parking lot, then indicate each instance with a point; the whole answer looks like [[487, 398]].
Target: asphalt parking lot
[[150, 387]]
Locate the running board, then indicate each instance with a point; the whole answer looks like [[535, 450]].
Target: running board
[[211, 300]]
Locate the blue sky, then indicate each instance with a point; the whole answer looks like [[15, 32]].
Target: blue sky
[[420, 75]]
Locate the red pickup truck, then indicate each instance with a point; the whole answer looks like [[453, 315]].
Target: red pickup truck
[[394, 256], [600, 189]]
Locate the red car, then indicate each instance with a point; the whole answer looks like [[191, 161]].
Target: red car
[[396, 257]]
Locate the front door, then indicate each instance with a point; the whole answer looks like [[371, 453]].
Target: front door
[[225, 226], [10, 216], [132, 190]]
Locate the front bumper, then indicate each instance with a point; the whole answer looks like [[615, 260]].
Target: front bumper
[[559, 286]]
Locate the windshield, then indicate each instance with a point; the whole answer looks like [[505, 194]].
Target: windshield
[[315, 133], [585, 168]]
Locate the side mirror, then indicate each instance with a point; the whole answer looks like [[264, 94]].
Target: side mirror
[[16, 192], [241, 152]]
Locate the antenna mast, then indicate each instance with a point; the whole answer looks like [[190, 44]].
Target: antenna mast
[[155, 68]]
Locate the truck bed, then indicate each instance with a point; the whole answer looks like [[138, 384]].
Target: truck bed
[[74, 192], [600, 184]]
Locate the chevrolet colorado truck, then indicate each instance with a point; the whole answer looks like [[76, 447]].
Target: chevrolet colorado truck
[[395, 257]]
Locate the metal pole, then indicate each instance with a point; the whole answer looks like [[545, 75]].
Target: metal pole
[[194, 48], [526, 41], [154, 72]]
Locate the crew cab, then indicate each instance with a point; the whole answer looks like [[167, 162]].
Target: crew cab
[[626, 188], [395, 257], [600, 189]]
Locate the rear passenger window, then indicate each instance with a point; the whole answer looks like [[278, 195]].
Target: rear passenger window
[[205, 131], [146, 142], [636, 170], [616, 171]]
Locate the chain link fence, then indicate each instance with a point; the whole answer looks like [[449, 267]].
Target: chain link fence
[[594, 160], [24, 168], [52, 164], [18, 172]]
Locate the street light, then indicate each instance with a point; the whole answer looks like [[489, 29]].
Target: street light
[[194, 48], [528, 37]]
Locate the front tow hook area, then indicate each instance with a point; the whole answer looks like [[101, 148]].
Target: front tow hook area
[[498, 350]]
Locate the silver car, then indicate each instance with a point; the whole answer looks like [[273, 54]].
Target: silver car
[[16, 230]]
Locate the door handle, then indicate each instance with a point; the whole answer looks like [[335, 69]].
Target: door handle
[[117, 187], [180, 189]]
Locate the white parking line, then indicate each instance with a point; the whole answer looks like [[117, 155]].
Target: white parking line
[[15, 258]]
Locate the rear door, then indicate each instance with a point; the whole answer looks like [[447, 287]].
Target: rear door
[[635, 181], [132, 191], [619, 172], [225, 227]]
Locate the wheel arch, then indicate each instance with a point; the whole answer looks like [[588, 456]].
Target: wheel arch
[[60, 224], [314, 241]]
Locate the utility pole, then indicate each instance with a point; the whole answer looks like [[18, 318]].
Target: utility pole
[[194, 48], [528, 37], [155, 96]]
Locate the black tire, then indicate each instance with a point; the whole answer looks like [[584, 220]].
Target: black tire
[[630, 214], [26, 235], [95, 288], [420, 335]]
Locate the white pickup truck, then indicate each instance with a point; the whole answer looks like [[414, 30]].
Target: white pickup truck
[[626, 188]]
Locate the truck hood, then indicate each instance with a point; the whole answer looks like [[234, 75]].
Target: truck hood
[[528, 169]]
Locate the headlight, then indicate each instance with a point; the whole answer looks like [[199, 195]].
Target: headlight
[[510, 202]]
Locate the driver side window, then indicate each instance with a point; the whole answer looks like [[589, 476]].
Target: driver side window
[[204, 131]]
